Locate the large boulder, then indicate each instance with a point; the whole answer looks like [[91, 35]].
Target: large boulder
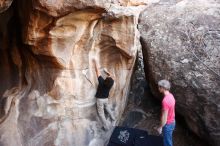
[[181, 43], [48, 48]]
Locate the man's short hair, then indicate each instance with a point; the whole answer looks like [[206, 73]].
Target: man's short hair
[[164, 84]]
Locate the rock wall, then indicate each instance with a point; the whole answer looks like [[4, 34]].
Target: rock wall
[[181, 42], [46, 68], [5, 4]]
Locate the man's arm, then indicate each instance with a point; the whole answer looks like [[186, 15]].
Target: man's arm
[[106, 71], [96, 69], [163, 120]]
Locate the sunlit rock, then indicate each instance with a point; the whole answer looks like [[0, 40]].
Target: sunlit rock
[[53, 101]]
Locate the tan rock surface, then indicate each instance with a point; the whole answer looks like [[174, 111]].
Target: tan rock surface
[[53, 102], [5, 4]]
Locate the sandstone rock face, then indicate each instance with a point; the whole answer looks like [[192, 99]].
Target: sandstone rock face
[[5, 4], [181, 42], [49, 98]]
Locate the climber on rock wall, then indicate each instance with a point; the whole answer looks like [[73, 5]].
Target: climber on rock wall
[[168, 113], [102, 94]]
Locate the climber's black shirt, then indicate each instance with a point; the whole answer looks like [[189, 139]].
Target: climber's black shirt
[[103, 90]]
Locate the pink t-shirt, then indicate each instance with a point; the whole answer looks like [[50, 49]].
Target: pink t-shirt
[[168, 103]]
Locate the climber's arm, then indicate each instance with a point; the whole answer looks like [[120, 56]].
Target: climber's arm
[[96, 69]]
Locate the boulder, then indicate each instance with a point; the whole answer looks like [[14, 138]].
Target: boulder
[[181, 43]]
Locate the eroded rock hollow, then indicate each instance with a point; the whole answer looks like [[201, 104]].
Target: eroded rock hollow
[[48, 80]]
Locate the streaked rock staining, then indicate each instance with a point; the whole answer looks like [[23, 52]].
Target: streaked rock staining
[[49, 77]]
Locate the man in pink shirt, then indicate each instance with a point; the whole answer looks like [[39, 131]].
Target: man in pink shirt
[[167, 124]]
